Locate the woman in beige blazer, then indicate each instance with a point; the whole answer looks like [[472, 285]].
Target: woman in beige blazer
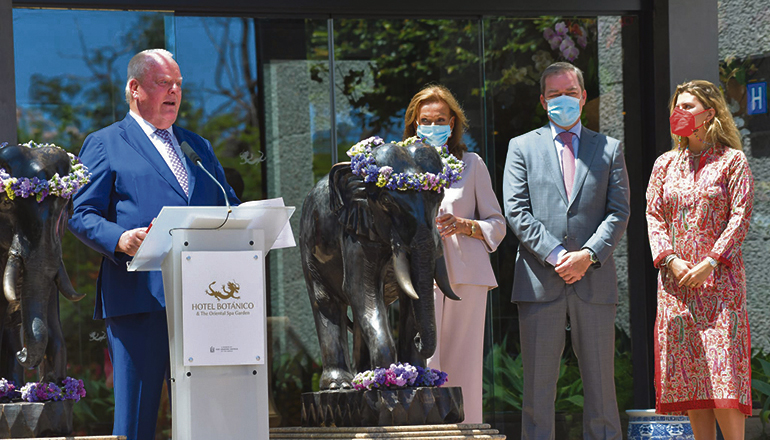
[[472, 226]]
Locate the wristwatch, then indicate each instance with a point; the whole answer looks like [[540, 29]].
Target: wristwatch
[[712, 261], [592, 256]]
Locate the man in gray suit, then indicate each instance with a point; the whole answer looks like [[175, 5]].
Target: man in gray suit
[[566, 198]]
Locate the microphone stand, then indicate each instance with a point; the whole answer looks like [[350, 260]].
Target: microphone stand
[[189, 152]]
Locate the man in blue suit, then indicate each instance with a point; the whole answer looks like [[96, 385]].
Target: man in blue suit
[[137, 168], [566, 197]]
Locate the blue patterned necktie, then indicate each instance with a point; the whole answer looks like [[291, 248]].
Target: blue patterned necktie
[[176, 164]]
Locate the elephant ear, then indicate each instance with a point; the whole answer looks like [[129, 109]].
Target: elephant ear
[[349, 201]]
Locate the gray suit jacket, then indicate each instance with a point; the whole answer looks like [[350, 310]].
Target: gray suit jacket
[[538, 212]]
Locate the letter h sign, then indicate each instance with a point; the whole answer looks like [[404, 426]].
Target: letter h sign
[[756, 99]]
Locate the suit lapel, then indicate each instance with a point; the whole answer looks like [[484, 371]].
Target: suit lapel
[[192, 176], [138, 140], [551, 160], [586, 154]]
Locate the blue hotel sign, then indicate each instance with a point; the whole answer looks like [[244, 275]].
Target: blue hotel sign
[[756, 101]]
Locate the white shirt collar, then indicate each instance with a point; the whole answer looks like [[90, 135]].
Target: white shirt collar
[[148, 128], [576, 130]]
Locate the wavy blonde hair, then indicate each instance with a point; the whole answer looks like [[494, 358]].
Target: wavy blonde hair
[[436, 93], [720, 130]]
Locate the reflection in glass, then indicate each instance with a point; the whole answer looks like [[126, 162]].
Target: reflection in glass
[[221, 98], [381, 64], [293, 59]]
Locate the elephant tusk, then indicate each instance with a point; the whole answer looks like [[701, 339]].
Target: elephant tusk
[[442, 279], [401, 269], [64, 284], [11, 275]]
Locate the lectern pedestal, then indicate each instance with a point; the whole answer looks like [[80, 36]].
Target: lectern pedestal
[[215, 305]]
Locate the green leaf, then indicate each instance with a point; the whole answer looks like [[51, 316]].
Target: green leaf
[[765, 366], [762, 387]]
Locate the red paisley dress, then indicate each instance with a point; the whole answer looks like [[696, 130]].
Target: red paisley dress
[[702, 341]]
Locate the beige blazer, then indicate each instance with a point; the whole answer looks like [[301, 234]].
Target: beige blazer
[[472, 197]]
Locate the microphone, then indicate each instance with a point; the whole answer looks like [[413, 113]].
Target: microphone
[[190, 153]]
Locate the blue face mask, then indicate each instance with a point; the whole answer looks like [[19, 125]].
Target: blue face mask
[[564, 110], [436, 135]]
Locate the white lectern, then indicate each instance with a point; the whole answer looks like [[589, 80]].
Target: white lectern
[[213, 276]]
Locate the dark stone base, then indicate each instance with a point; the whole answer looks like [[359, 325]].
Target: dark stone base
[[409, 406], [36, 419]]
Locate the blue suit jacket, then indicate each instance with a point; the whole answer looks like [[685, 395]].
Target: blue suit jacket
[[130, 183], [541, 216]]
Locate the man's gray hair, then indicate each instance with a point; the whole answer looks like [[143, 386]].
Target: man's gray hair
[[140, 64], [561, 67]]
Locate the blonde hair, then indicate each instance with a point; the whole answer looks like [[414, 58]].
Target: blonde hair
[[720, 130], [436, 93]]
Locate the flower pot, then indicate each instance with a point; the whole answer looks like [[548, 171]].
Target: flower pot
[[406, 406], [36, 419], [646, 424]]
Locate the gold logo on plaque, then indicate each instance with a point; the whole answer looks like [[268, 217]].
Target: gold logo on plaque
[[229, 289]]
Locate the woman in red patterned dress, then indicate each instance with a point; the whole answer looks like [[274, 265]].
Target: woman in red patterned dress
[[699, 203]]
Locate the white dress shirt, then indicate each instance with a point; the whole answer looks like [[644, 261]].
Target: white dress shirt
[[159, 143]]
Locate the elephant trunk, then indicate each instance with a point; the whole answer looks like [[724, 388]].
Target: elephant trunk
[[33, 317], [38, 272], [422, 269]]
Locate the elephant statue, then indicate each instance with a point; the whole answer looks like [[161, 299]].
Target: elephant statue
[[36, 183], [368, 237]]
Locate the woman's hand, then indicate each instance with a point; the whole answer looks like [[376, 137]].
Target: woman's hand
[[697, 275], [448, 225], [679, 268]]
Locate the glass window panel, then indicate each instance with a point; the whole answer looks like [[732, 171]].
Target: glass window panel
[[381, 64], [293, 59], [217, 57]]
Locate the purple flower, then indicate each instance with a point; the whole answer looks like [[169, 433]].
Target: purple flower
[[7, 389], [398, 376], [552, 38], [379, 378], [74, 389], [40, 392], [390, 377], [22, 187], [561, 29], [568, 49], [371, 173]]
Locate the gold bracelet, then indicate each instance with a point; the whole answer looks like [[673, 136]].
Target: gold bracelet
[[473, 228]]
